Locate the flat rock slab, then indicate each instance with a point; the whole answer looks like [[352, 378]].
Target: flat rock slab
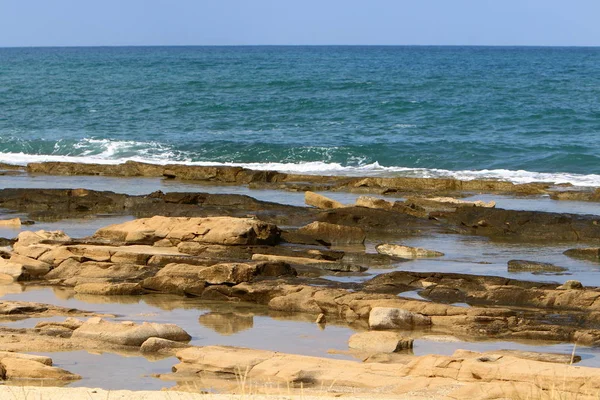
[[213, 230]]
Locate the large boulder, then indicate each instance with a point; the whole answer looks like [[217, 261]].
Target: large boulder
[[128, 333], [213, 230], [333, 233], [396, 318]]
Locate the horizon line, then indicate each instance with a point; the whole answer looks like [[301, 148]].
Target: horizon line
[[297, 45]]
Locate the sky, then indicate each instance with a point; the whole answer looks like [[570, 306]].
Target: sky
[[299, 22]]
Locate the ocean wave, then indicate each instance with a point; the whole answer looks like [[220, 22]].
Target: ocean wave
[[163, 156]]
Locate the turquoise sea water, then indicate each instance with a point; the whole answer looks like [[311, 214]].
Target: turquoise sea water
[[520, 114]]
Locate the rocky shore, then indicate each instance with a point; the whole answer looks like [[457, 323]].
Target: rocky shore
[[330, 262]]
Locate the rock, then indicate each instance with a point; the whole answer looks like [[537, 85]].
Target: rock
[[215, 230], [533, 266], [396, 250], [11, 223], [15, 270], [128, 333], [379, 342], [321, 319], [33, 267], [569, 285], [22, 368], [73, 273], [158, 345], [333, 233], [28, 238], [396, 318], [559, 358], [321, 264], [525, 225], [374, 202], [109, 289], [590, 253], [320, 201], [32, 251], [235, 273], [68, 323], [41, 359], [57, 255], [462, 203]]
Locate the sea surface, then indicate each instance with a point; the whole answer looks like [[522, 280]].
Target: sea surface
[[514, 113]]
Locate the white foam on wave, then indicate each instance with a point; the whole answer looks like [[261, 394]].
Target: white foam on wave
[[165, 156]]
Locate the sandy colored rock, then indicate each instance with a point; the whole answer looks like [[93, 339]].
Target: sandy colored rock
[[559, 358], [159, 345], [320, 201], [235, 273], [379, 342], [217, 230], [31, 251], [57, 255], [21, 368], [467, 203], [569, 285], [396, 250], [40, 359], [28, 238], [11, 223], [16, 271], [110, 289], [128, 334], [396, 318], [34, 268], [73, 273], [374, 202], [333, 233]]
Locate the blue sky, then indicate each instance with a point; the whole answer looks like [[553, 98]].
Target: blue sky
[[311, 22]]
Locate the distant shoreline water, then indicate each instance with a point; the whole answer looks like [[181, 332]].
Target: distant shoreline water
[[520, 114]]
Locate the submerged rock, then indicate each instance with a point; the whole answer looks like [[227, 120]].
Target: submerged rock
[[589, 253], [396, 250], [533, 266]]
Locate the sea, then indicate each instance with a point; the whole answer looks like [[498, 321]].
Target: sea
[[520, 114]]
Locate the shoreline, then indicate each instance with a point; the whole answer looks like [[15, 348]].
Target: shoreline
[[309, 260], [269, 179]]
